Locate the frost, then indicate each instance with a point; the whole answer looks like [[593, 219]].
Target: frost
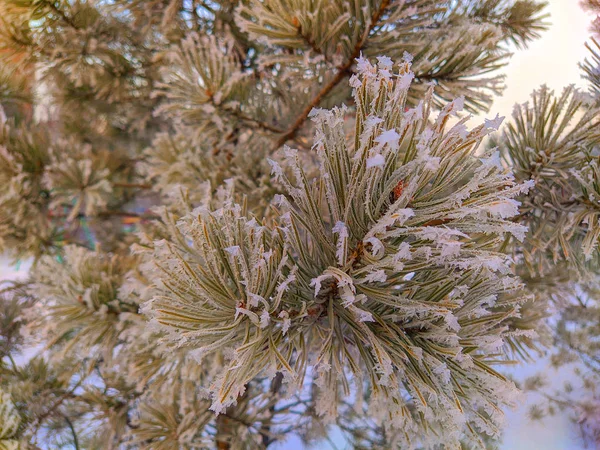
[[102, 311], [495, 263], [289, 280], [402, 215], [254, 300], [347, 294], [316, 282], [375, 161], [361, 315], [461, 130], [494, 124], [233, 250], [452, 321], [457, 105], [450, 249], [432, 163], [342, 231], [442, 372], [286, 321], [403, 252], [377, 246], [265, 318], [389, 137], [492, 161], [355, 82], [437, 234], [364, 67], [491, 343], [377, 276], [246, 312], [276, 169], [414, 114], [319, 114], [406, 80], [503, 208], [385, 62]]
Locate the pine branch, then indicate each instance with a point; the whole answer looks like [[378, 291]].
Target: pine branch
[[62, 14], [241, 116], [132, 185], [65, 396], [276, 385], [341, 73], [144, 216], [73, 432]]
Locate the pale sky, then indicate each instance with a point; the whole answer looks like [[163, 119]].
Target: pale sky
[[551, 60]]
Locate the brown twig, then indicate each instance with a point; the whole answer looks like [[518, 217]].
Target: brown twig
[[132, 185], [127, 214], [263, 125], [62, 14], [276, 384], [341, 72]]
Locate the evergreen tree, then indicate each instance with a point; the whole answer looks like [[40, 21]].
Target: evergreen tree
[[257, 218]]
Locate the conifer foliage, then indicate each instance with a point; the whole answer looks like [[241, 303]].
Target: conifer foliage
[[257, 219]]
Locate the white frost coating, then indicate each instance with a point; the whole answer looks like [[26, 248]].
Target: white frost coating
[[280, 200], [452, 321], [503, 208], [369, 202], [364, 67], [491, 343], [495, 263], [492, 161], [378, 248], [389, 220], [389, 137], [432, 163], [461, 130], [375, 161], [406, 80], [494, 124], [376, 276], [276, 169], [402, 215], [438, 234], [450, 249], [342, 231], [344, 281], [355, 82], [385, 62], [316, 282], [347, 294], [283, 287], [442, 372], [286, 321], [265, 318], [251, 315], [372, 121], [403, 253], [233, 250], [457, 105], [254, 300], [361, 314]]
